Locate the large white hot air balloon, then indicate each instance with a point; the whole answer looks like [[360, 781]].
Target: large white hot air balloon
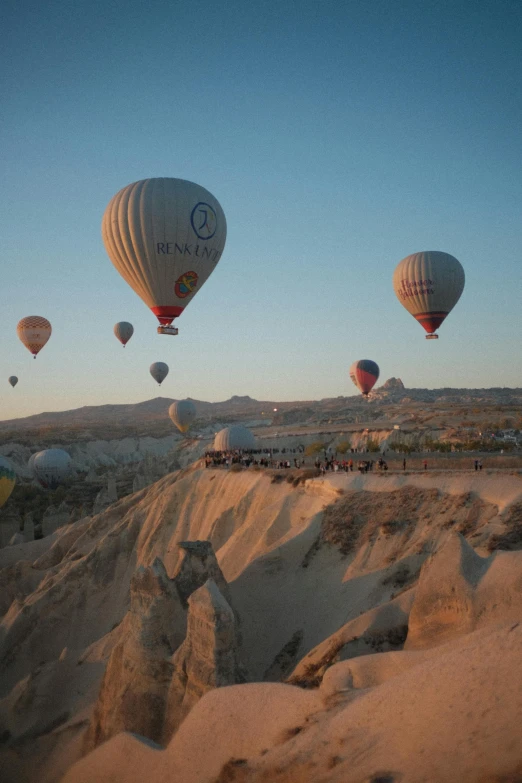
[[429, 285], [34, 331], [234, 437], [182, 413], [123, 331], [159, 371], [51, 467], [13, 380], [165, 237]]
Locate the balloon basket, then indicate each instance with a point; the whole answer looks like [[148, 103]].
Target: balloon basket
[[432, 337], [167, 330]]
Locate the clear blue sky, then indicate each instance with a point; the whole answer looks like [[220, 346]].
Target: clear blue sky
[[339, 137]]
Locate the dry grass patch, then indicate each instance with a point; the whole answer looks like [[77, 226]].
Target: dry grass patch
[[357, 517]]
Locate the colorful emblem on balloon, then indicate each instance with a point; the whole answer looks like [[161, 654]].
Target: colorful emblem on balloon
[[185, 284]]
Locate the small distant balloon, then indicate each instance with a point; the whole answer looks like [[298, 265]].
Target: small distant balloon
[[429, 285], [364, 374], [34, 331], [159, 371], [51, 467], [13, 380], [7, 480], [123, 331], [182, 414]]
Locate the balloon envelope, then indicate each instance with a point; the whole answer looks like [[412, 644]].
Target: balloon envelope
[[234, 437], [364, 374], [34, 331], [429, 285], [123, 331], [30, 462], [159, 371], [7, 479], [13, 380], [182, 414], [51, 467], [165, 237]]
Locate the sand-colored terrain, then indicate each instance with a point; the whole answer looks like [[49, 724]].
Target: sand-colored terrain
[[374, 621]]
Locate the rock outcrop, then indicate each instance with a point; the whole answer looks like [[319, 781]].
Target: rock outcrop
[[207, 659], [133, 693], [135, 684], [196, 566], [459, 592]]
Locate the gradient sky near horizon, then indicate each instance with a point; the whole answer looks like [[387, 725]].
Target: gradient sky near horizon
[[338, 137]]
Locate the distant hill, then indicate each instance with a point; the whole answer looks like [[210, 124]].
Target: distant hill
[[392, 392], [147, 411]]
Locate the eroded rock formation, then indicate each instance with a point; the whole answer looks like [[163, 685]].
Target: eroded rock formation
[[135, 686], [207, 659]]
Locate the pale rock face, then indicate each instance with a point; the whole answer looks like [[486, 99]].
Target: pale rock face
[[198, 564], [134, 690], [460, 592], [207, 659], [139, 482], [135, 684], [106, 496], [393, 384], [112, 492]]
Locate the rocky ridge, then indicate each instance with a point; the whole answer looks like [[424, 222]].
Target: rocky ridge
[[139, 621]]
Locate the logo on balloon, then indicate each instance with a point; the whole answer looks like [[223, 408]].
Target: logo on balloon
[[185, 284], [204, 220]]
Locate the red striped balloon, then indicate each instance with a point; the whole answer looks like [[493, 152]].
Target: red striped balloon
[[364, 374]]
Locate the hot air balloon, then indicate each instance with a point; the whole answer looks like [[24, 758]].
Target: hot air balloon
[[123, 331], [159, 371], [7, 480], [234, 437], [51, 467], [429, 285], [13, 380], [34, 331], [182, 414], [364, 374], [165, 237], [30, 462]]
